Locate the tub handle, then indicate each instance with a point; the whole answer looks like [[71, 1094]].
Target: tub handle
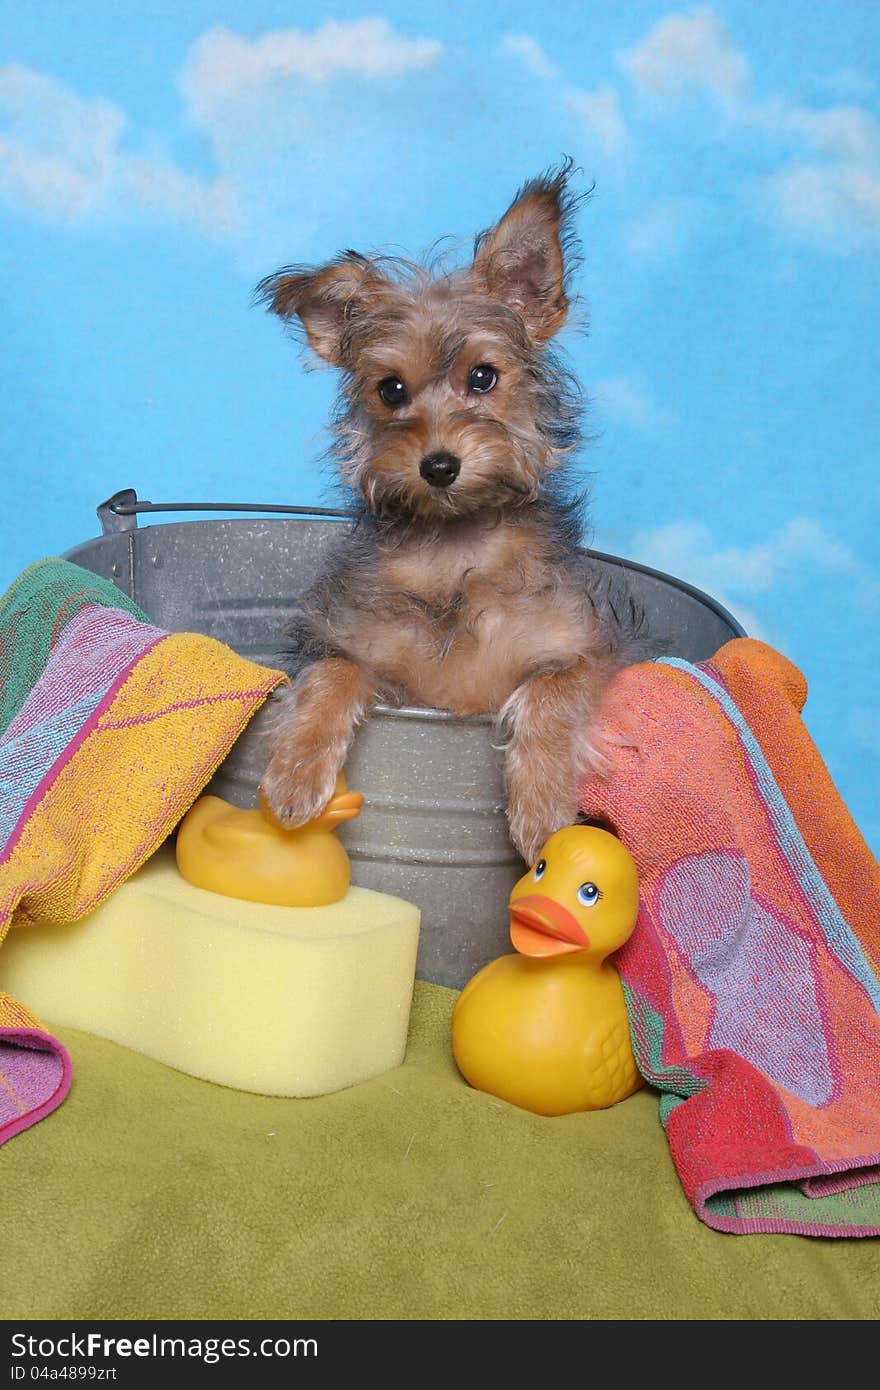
[[120, 512]]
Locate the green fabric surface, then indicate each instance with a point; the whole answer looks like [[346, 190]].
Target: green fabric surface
[[152, 1195]]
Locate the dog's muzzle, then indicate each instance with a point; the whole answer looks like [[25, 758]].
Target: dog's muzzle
[[441, 469]]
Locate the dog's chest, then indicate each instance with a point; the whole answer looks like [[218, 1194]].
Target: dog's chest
[[452, 586], [470, 621]]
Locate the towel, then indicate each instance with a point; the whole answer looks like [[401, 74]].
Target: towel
[[752, 976], [110, 727]]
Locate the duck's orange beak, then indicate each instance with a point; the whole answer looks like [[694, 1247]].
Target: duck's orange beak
[[540, 926], [345, 806]]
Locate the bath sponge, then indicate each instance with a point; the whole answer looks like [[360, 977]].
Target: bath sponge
[[279, 1000]]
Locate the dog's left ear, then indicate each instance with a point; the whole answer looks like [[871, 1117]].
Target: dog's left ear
[[522, 260]]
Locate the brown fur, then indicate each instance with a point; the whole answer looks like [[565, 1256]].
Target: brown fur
[[312, 731], [469, 595]]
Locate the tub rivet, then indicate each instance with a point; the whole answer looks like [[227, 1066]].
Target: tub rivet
[[116, 568], [156, 561]]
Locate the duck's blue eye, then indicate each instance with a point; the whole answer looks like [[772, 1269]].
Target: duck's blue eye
[[588, 894], [540, 869]]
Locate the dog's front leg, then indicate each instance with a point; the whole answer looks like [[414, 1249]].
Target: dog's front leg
[[310, 736], [551, 743]]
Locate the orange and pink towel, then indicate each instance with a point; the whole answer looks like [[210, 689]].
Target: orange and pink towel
[[752, 975]]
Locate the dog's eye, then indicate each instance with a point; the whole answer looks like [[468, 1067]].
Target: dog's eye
[[482, 378], [393, 391]]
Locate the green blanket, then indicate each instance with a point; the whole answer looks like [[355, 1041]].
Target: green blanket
[[151, 1195]]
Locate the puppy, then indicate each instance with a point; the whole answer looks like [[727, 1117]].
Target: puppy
[[462, 585]]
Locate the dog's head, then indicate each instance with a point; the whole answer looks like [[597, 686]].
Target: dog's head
[[451, 401]]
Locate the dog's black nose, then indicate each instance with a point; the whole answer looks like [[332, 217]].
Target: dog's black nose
[[440, 469]]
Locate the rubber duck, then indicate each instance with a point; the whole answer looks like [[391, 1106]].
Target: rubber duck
[[247, 854], [546, 1028]]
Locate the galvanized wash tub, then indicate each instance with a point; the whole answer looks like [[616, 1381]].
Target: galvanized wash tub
[[433, 828]]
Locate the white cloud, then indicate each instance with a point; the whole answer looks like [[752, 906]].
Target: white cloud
[[532, 54], [687, 550], [597, 111], [832, 201], [836, 206], [158, 187], [57, 152], [687, 52], [616, 397], [61, 155], [830, 191], [796, 553], [838, 132], [284, 96], [72, 158], [281, 108], [600, 112], [222, 66], [827, 186], [801, 542]]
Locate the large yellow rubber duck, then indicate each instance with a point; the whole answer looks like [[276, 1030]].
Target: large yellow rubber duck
[[547, 1027], [247, 854]]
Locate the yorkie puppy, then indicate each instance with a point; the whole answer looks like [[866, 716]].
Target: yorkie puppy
[[462, 585]]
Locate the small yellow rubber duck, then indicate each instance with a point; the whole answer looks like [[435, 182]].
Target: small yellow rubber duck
[[547, 1028], [247, 854]]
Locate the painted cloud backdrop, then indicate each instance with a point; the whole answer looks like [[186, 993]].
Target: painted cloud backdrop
[[156, 161]]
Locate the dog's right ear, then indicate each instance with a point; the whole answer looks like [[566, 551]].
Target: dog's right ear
[[324, 300]]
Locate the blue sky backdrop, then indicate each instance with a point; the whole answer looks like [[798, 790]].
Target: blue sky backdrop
[[157, 159]]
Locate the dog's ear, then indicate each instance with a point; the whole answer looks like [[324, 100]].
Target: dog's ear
[[524, 260], [324, 300]]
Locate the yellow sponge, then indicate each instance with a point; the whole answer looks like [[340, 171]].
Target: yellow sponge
[[280, 1000]]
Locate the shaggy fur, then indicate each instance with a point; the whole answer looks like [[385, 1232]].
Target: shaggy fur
[[462, 585]]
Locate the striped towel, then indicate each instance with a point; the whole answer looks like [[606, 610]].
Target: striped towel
[[752, 976], [109, 729]]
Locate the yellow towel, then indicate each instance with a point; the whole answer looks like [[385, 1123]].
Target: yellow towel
[[110, 738]]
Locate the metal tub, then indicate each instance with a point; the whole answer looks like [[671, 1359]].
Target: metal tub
[[433, 828]]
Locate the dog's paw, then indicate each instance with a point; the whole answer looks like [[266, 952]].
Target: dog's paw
[[529, 829], [538, 804], [296, 790]]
